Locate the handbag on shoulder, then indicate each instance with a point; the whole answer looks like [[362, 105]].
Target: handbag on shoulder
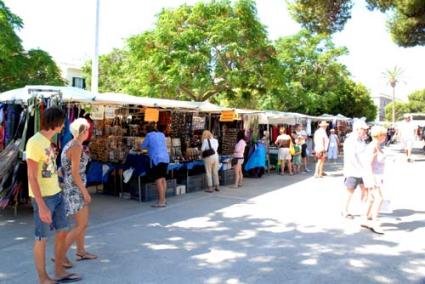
[[208, 152]]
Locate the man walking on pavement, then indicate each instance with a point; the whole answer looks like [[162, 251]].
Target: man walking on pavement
[[321, 144], [354, 147], [407, 136], [46, 197]]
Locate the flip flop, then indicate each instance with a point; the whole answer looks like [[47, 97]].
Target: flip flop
[[377, 231], [347, 215], [86, 256], [158, 205], [72, 277], [65, 265]]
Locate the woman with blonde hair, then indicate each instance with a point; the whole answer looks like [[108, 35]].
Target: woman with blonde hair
[[77, 198], [373, 179], [209, 154]]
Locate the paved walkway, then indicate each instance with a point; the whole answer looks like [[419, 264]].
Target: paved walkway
[[274, 230]]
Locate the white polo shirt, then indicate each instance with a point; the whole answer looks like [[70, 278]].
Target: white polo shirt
[[354, 149]]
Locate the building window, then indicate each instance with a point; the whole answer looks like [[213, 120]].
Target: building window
[[79, 82]]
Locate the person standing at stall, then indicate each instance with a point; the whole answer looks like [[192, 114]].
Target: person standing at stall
[[157, 150], [212, 165], [284, 143], [321, 143], [77, 198], [301, 132], [333, 146], [46, 197], [238, 156]]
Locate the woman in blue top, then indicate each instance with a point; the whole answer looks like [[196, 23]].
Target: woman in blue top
[[157, 151]]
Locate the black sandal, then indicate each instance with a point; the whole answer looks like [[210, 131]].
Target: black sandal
[[72, 277], [85, 256]]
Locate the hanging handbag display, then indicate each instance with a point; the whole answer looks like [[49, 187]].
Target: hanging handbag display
[[208, 152]]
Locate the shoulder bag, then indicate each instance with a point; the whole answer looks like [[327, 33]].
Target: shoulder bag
[[208, 152]]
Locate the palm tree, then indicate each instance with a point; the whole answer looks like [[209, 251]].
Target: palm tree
[[393, 78]]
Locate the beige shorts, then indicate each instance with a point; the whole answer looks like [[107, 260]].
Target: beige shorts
[[284, 154]]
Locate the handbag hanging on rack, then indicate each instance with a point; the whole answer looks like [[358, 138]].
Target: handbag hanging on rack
[[208, 152]]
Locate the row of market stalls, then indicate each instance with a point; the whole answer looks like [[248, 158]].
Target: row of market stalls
[[118, 126]]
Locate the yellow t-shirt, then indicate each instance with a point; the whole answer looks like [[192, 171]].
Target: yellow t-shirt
[[39, 150]]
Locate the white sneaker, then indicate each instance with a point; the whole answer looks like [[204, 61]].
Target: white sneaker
[[307, 170]]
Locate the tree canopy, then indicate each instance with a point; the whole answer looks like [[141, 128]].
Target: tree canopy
[[406, 17], [313, 81], [197, 53], [415, 104], [219, 51], [18, 67]]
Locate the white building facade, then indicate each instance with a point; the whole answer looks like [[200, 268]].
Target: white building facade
[[73, 74]]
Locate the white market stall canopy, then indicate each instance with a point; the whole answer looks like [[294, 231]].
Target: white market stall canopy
[[124, 99], [69, 94], [330, 117], [278, 117]]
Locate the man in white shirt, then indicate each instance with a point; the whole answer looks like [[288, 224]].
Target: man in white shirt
[[354, 147], [321, 144], [407, 136]]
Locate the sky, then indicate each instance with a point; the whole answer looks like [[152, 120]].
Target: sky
[[65, 29]]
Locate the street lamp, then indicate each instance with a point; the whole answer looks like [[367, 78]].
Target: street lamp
[[95, 59]]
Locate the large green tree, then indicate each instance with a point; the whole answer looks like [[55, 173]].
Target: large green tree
[[18, 67], [406, 17], [112, 72], [11, 51], [416, 101], [321, 16], [214, 50], [313, 80], [400, 109]]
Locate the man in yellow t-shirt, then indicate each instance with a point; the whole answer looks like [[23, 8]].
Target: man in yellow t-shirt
[[46, 197]]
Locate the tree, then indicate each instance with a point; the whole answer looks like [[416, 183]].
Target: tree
[[111, 71], [11, 57], [18, 67], [406, 24], [313, 81], [416, 101], [400, 109], [393, 78], [206, 51], [41, 69], [321, 16]]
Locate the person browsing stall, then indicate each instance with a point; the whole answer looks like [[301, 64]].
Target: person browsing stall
[[238, 155], [212, 165], [284, 142], [157, 150]]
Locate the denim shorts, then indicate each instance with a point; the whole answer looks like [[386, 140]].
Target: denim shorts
[[56, 205], [353, 182]]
